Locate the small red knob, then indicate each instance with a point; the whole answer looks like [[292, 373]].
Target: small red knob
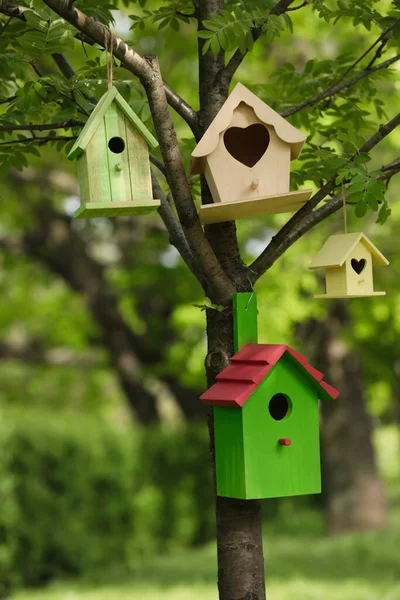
[[285, 442]]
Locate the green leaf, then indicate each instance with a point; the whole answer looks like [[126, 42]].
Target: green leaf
[[384, 213], [205, 34], [377, 189], [223, 39], [288, 22], [371, 201], [175, 24], [357, 186], [215, 47], [361, 159], [206, 46], [211, 25], [361, 209]]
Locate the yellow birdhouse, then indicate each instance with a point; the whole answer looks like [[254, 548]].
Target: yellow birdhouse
[[348, 260], [245, 157]]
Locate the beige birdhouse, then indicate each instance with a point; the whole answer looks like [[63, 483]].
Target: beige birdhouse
[[348, 260], [245, 156]]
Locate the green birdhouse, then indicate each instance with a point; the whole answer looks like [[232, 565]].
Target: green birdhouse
[[112, 152], [266, 422]]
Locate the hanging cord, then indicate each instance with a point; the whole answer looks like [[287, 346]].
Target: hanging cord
[[108, 45], [344, 193]]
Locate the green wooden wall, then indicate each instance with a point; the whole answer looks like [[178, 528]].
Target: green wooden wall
[[272, 470], [250, 463]]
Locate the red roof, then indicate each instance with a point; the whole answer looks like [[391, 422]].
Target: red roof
[[248, 369]]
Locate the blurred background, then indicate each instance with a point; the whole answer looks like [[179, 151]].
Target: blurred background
[[105, 478]]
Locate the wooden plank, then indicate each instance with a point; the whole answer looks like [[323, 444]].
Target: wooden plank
[[266, 115], [83, 178], [97, 164], [229, 453], [139, 164], [116, 209], [118, 165], [350, 295], [272, 470], [244, 319], [235, 181], [95, 119], [135, 121], [338, 247], [220, 212]]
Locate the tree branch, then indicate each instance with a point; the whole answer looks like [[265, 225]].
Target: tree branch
[[14, 11], [319, 215], [159, 164], [390, 169], [218, 285], [130, 59], [236, 60], [64, 65], [333, 90], [302, 5], [6, 100], [288, 234], [52, 126], [40, 140], [42, 126], [33, 352], [336, 87], [176, 234], [367, 51]]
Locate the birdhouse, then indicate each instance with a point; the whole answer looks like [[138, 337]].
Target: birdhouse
[[245, 157], [112, 152], [348, 259], [266, 423]]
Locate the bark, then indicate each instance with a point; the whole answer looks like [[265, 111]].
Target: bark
[[352, 487], [55, 243], [239, 535]]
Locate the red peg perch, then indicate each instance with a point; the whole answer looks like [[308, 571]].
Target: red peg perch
[[285, 442]]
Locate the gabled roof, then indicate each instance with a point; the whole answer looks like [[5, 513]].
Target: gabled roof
[[337, 248], [97, 115], [284, 130], [248, 369]]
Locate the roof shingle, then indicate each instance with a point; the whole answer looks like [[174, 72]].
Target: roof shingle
[[248, 368]]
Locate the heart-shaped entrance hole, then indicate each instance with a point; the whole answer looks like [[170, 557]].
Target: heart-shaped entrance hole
[[247, 145], [358, 265]]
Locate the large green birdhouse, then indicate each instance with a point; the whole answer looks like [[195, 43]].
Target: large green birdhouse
[[266, 422], [112, 152]]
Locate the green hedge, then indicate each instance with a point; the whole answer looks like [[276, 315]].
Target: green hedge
[[77, 496], [9, 517]]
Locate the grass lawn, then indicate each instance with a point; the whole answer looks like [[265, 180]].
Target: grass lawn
[[357, 567], [301, 563]]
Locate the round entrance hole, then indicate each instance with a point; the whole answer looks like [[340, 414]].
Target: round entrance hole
[[280, 406], [116, 145]]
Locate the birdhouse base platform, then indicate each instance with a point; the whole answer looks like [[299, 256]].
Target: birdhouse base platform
[[350, 295], [219, 212], [116, 209]]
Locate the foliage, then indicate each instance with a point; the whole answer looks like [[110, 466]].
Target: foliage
[[92, 497], [9, 515], [298, 66], [231, 30], [353, 567]]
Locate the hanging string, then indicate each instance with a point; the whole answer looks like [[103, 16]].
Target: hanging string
[[344, 194], [108, 45]]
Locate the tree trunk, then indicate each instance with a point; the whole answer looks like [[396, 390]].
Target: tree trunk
[[239, 539], [352, 487]]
